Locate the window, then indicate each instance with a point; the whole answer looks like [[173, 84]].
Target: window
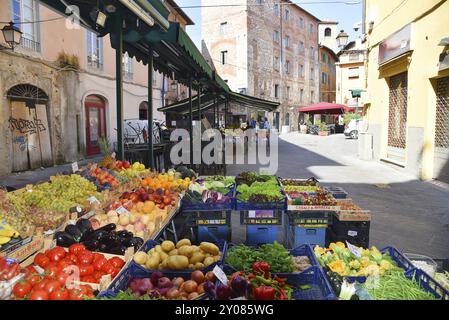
[[23, 12], [223, 27], [328, 32], [301, 22], [276, 91], [312, 53], [276, 9], [94, 51], [224, 57], [276, 36], [311, 29], [143, 111], [127, 67], [287, 14], [301, 70], [312, 73], [259, 1], [312, 96], [276, 63], [288, 93], [301, 95], [353, 72], [287, 41], [324, 78], [287, 66], [301, 47]]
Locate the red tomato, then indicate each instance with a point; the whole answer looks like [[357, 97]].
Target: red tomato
[[117, 262], [77, 248], [98, 275], [38, 295], [85, 289], [85, 257], [89, 279], [115, 272], [60, 251], [86, 270], [56, 254], [21, 289], [41, 260], [72, 257], [60, 294], [65, 263], [41, 285], [97, 256], [33, 279], [62, 277], [99, 263], [108, 268], [30, 270], [52, 285], [76, 294], [52, 271]]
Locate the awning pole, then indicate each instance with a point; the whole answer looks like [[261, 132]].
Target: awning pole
[[215, 112], [119, 87], [191, 121], [226, 113], [199, 105], [150, 108]]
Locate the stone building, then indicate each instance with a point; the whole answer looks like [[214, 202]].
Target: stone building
[[327, 39], [58, 89], [268, 50]]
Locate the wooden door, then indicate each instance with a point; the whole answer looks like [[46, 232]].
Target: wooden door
[[95, 124], [20, 128]]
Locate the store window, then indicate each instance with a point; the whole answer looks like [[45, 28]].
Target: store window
[[94, 51], [397, 119], [127, 67], [24, 12], [223, 27]]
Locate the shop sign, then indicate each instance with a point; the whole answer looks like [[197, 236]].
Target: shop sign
[[395, 45]]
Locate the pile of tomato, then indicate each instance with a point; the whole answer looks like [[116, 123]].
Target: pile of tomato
[[61, 270]]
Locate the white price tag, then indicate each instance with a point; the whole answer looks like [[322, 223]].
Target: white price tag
[[352, 233], [75, 167], [251, 214], [113, 155], [79, 209], [93, 200], [94, 166], [219, 273], [30, 190], [173, 123], [122, 210], [353, 250]]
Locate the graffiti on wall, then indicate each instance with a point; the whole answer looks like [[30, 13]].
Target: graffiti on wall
[[22, 141], [25, 126]]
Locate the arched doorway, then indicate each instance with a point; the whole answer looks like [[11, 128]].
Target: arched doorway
[[29, 125], [143, 111], [95, 107]]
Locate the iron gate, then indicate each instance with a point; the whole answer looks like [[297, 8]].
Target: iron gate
[[442, 130], [397, 118]]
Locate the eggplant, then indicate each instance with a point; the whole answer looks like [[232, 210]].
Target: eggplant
[[96, 235], [64, 239], [108, 228], [124, 234], [118, 250], [111, 241], [84, 225], [74, 232], [92, 245]]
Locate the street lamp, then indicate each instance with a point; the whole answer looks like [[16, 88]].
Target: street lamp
[[342, 39], [12, 35]]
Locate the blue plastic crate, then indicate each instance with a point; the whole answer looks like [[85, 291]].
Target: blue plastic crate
[[214, 234], [240, 205], [209, 218], [428, 283], [124, 278], [138, 269], [311, 235], [274, 218], [257, 235]]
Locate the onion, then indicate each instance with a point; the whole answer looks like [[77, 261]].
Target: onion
[[155, 276], [190, 286], [197, 276], [200, 289], [210, 276], [172, 293], [164, 282], [164, 291], [193, 296], [177, 282]]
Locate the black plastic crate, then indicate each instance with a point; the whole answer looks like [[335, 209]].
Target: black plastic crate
[[351, 228], [337, 192], [356, 240], [211, 218], [257, 217]]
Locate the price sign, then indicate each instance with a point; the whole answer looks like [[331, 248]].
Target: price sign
[[219, 273], [75, 167], [94, 166], [354, 250], [122, 210], [352, 233], [113, 155], [93, 200]]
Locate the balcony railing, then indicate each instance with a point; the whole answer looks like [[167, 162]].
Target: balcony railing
[[30, 44], [94, 62]]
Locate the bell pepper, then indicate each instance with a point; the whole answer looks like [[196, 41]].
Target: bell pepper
[[264, 293], [261, 268], [283, 295]]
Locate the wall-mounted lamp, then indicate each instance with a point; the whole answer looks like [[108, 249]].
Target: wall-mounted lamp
[[12, 35]]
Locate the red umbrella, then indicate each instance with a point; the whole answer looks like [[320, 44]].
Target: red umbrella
[[327, 108]]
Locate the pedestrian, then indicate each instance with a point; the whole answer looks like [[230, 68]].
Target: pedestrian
[[253, 123], [267, 127]]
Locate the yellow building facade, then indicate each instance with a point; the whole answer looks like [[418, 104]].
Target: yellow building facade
[[407, 78]]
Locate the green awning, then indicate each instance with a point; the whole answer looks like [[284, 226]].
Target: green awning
[[223, 85], [357, 93], [253, 102]]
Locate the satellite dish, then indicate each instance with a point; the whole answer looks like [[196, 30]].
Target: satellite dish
[[357, 26]]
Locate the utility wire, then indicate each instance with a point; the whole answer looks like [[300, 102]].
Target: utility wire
[[32, 22], [264, 4]]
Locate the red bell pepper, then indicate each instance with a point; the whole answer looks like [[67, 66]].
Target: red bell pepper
[[282, 295], [261, 268], [264, 293]]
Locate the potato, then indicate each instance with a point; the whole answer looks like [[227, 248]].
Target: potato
[[151, 251], [199, 266], [207, 255], [208, 261], [183, 242], [163, 255], [197, 257], [157, 257], [209, 248], [177, 262], [217, 258], [195, 248], [140, 258], [152, 263], [167, 246], [191, 267], [163, 265], [174, 252], [185, 251], [158, 248]]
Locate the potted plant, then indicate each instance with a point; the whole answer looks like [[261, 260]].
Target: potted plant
[[324, 130]]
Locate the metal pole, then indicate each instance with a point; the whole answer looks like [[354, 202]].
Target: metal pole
[[226, 113], [191, 121], [199, 105], [119, 88], [150, 108]]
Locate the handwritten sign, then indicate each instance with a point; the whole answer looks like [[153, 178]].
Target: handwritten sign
[[354, 250], [75, 167], [219, 273], [113, 155], [93, 200], [122, 210]]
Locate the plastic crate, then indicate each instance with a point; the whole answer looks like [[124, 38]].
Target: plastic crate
[[240, 205], [320, 288], [311, 235], [257, 235], [210, 218], [214, 234], [350, 230], [359, 241], [308, 217], [259, 217], [337, 192], [122, 281], [138, 269], [187, 206], [428, 283]]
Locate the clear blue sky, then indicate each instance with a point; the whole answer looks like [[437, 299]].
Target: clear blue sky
[[346, 15]]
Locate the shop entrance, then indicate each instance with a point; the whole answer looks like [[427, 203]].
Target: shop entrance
[[441, 162], [29, 125], [95, 123], [397, 118]]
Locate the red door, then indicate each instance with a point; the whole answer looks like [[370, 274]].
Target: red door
[[95, 123]]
